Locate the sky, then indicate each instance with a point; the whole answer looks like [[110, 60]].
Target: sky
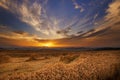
[[60, 23]]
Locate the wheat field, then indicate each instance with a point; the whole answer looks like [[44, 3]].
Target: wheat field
[[60, 65]]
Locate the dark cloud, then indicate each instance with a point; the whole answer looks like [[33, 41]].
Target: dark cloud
[[79, 32], [19, 32], [117, 23], [82, 35], [22, 33], [41, 40], [97, 32], [64, 32], [2, 27]]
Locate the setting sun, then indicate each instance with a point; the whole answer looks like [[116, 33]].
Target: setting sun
[[47, 44]]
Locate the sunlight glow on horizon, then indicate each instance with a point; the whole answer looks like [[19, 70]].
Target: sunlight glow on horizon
[[47, 44]]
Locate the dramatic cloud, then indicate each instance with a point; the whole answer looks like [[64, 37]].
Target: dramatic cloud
[[113, 11], [28, 13], [32, 13], [106, 34], [6, 32], [67, 23]]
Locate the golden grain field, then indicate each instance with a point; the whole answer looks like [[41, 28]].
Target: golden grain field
[[56, 65]]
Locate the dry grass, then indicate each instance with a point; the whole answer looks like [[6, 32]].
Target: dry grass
[[68, 58], [104, 65], [33, 57], [36, 57], [4, 58]]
